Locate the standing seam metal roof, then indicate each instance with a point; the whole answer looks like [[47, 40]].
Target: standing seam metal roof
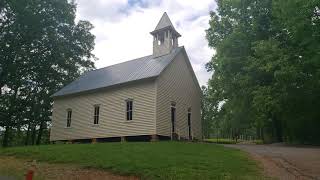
[[136, 69]]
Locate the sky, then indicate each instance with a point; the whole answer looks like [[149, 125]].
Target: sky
[[122, 29]]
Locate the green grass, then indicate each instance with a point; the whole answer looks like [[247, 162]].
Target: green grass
[[159, 160]]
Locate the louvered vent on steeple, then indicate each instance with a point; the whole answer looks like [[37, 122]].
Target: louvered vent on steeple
[[165, 37]]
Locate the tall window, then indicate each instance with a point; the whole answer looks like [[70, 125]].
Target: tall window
[[129, 110], [69, 114], [96, 114], [189, 122]]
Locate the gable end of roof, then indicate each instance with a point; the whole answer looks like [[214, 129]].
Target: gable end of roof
[[194, 77]]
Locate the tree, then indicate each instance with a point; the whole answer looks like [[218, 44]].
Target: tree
[[41, 50], [207, 113], [265, 68]]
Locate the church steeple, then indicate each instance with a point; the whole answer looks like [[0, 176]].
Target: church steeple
[[165, 37]]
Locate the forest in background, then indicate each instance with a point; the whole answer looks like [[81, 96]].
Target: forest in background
[[266, 71]]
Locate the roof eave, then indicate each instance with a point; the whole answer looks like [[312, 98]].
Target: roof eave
[[165, 28]]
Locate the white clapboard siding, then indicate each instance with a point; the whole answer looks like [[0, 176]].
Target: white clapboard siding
[[177, 84], [112, 121]]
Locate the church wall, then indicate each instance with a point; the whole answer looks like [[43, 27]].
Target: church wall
[[112, 119], [177, 84]]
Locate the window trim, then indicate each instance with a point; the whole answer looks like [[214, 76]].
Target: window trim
[[130, 111], [69, 119], [96, 115]]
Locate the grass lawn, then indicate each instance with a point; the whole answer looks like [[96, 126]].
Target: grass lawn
[[148, 160]]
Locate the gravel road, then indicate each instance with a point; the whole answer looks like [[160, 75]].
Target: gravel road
[[285, 162]]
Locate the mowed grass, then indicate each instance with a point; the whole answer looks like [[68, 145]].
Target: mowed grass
[[149, 160]]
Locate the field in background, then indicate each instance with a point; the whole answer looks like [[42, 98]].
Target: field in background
[[159, 160], [232, 141]]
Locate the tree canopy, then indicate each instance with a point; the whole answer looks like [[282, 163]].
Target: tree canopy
[[42, 48], [266, 68]]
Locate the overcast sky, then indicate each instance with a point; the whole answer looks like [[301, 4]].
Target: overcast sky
[[122, 28]]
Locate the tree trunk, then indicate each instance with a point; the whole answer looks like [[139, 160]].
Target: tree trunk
[[19, 136], [5, 141], [259, 133], [40, 133], [33, 135], [278, 130], [27, 136]]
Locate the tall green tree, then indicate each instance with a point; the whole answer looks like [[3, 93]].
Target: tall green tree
[[207, 113], [266, 69], [41, 49]]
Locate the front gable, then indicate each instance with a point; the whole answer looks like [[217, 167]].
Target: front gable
[[178, 84], [194, 77], [186, 59]]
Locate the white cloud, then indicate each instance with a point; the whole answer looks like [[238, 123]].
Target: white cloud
[[122, 28]]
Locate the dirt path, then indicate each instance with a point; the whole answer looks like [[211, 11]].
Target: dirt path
[[284, 162], [12, 168]]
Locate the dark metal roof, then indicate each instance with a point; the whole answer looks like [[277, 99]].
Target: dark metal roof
[[136, 69]]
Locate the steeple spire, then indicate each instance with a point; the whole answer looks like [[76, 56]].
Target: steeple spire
[[164, 22], [165, 37]]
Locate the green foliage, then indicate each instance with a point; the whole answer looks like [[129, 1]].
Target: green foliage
[[266, 68], [207, 113], [160, 160], [41, 50]]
